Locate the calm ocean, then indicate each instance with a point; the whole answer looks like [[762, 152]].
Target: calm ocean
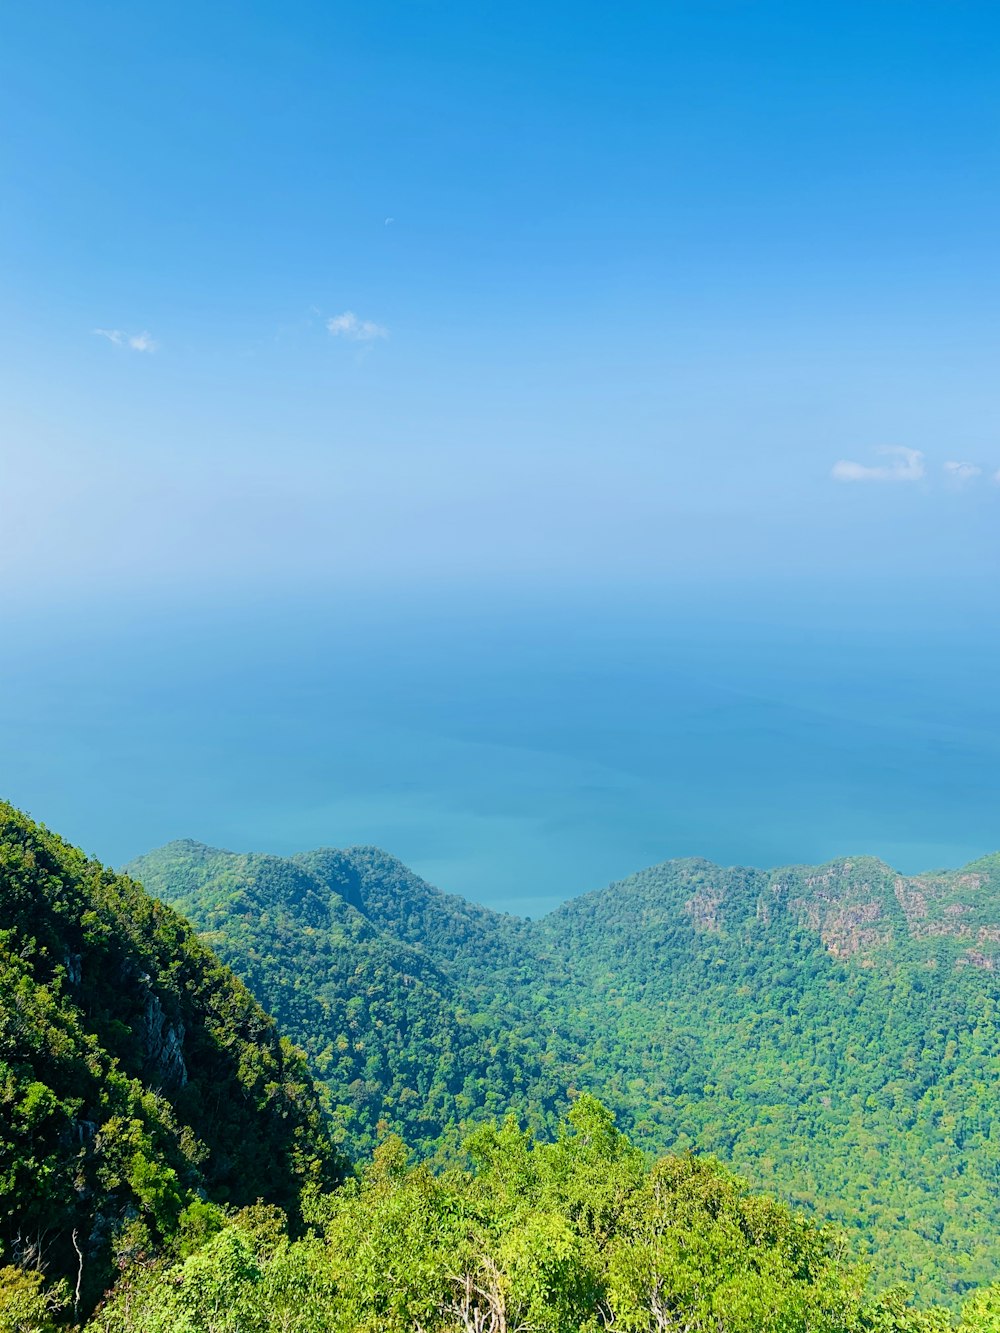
[[517, 750]]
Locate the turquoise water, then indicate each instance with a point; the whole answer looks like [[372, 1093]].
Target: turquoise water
[[517, 750]]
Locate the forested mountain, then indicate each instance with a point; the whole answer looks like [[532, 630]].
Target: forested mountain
[[389, 985], [137, 1074], [832, 1032], [164, 1166]]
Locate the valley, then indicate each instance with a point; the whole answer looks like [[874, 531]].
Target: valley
[[831, 1032]]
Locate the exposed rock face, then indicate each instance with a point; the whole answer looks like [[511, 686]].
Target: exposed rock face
[[161, 1040], [859, 907], [115, 1021], [703, 908], [164, 1045], [911, 898], [974, 958], [845, 905], [852, 929]]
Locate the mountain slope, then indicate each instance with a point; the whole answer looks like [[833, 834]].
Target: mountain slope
[[831, 1031], [136, 1072], [387, 984]]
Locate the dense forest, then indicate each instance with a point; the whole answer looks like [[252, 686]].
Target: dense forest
[[137, 1074], [168, 1165], [388, 985], [578, 1235], [832, 1033]]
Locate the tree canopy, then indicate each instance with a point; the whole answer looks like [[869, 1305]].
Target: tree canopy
[[832, 1032], [136, 1072]]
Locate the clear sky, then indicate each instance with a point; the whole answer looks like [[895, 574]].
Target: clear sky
[[544, 292]]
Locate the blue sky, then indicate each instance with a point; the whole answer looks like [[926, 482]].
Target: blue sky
[[538, 293], [541, 439]]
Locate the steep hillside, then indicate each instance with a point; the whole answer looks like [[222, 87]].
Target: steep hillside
[[136, 1072], [831, 1031], [389, 985], [470, 941]]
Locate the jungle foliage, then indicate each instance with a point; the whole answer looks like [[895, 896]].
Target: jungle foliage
[[137, 1075], [579, 1235], [833, 1033], [167, 1163]]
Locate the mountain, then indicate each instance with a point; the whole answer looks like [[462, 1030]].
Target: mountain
[[832, 1032], [389, 985], [137, 1074]]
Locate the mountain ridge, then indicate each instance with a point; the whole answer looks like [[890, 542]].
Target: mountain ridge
[[832, 1031], [137, 1073]]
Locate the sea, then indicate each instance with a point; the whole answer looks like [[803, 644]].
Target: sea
[[518, 746]]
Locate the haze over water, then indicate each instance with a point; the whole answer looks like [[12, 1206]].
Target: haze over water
[[518, 751]]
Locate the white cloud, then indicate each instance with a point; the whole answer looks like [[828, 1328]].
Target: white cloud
[[903, 465], [142, 342], [962, 472], [139, 342], [356, 330]]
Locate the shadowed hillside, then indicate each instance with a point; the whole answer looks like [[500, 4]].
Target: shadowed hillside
[[137, 1074]]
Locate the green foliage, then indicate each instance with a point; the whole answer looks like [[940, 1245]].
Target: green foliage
[[981, 1314], [196, 1226], [27, 1303], [346, 950], [571, 1236], [136, 1074], [832, 1033], [892, 1312]]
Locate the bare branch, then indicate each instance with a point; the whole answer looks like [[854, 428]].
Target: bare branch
[[79, 1275]]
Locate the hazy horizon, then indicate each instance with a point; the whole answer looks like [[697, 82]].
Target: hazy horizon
[[517, 751], [537, 440]]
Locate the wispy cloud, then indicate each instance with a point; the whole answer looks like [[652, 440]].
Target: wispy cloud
[[903, 465], [139, 342], [960, 473], [356, 330], [142, 342]]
